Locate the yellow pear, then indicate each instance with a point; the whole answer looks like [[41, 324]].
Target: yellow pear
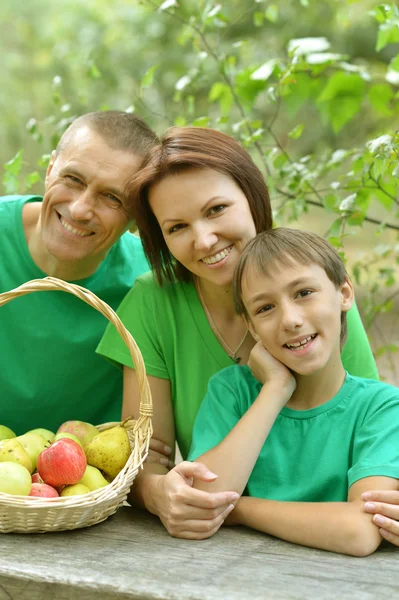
[[109, 451], [93, 478], [13, 451], [6, 433], [33, 444], [75, 490], [45, 433]]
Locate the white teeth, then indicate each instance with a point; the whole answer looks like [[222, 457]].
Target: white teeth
[[301, 343], [69, 227], [211, 260]]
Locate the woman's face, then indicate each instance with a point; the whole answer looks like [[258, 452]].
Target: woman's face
[[205, 220]]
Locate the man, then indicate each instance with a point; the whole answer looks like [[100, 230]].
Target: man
[[77, 232]]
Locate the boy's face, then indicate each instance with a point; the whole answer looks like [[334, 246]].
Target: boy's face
[[296, 313]]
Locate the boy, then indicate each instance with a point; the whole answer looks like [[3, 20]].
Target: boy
[[310, 440]]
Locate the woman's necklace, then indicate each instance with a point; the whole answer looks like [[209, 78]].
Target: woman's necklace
[[230, 352]]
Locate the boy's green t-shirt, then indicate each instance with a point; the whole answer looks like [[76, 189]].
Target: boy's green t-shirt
[[310, 455], [178, 344], [50, 372]]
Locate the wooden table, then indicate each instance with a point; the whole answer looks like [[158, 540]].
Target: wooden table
[[131, 556]]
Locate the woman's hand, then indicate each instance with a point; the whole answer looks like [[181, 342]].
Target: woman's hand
[[384, 505], [266, 369], [160, 453], [186, 512]]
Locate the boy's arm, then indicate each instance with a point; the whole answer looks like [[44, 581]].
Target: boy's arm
[[335, 526], [233, 459]]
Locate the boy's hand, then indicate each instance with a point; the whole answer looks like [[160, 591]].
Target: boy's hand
[[265, 368], [384, 505], [160, 453]]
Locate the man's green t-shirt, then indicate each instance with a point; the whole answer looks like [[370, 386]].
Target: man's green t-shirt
[[50, 372], [310, 455], [178, 344]]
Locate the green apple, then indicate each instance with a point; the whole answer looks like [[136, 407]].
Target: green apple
[[45, 433], [14, 479], [65, 434], [6, 433], [75, 490], [13, 451], [93, 478], [33, 444]]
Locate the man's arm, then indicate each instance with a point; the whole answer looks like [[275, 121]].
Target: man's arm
[[341, 527]]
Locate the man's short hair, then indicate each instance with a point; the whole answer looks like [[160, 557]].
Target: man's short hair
[[285, 247], [120, 130]]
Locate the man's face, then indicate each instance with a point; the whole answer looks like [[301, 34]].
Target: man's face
[[296, 314], [84, 209]]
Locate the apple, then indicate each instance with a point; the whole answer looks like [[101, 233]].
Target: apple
[[33, 444], [65, 434], [62, 463], [6, 433], [14, 479], [36, 478], [45, 433], [42, 490], [75, 490], [85, 432]]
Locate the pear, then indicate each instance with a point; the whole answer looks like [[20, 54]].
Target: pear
[[109, 451], [83, 431], [6, 433], [93, 478], [13, 451], [45, 433], [34, 444], [75, 490]]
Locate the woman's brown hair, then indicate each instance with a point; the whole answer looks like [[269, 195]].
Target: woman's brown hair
[[183, 148]]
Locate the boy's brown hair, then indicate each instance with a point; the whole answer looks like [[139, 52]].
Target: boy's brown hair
[[285, 246]]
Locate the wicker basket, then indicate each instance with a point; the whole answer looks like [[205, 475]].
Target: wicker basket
[[24, 514]]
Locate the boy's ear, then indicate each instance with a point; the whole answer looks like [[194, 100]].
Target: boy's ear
[[251, 328], [50, 164], [347, 295]]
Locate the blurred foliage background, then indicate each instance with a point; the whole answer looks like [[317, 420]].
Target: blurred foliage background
[[310, 88]]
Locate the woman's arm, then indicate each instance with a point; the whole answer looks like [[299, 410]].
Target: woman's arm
[[184, 511], [335, 526]]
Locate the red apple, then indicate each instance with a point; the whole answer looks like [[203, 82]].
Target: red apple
[[36, 478], [62, 463], [42, 490]]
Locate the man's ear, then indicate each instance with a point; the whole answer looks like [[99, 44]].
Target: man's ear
[[251, 328], [347, 295], [50, 164]]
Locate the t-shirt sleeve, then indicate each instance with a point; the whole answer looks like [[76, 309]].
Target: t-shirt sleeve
[[357, 356], [139, 315], [376, 442], [218, 414]]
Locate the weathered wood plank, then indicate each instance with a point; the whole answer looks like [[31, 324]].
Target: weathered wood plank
[[130, 556]]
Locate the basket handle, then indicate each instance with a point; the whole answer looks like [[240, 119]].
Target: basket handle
[[52, 283]]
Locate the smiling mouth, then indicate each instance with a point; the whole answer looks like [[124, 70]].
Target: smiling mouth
[[302, 343], [75, 230], [211, 260]]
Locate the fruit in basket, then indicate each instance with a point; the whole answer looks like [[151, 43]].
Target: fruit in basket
[[109, 451], [6, 433], [65, 434], [62, 463], [13, 451], [33, 444], [42, 490], [93, 478], [83, 431], [45, 433], [36, 478], [14, 479], [75, 490]]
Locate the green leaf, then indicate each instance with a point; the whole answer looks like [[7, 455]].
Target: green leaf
[[31, 179], [258, 19], [380, 96], [148, 77], [168, 4], [296, 132], [14, 165], [388, 33], [271, 13]]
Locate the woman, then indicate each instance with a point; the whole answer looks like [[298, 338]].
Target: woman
[[199, 200]]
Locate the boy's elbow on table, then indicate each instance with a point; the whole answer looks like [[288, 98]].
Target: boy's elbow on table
[[362, 536]]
